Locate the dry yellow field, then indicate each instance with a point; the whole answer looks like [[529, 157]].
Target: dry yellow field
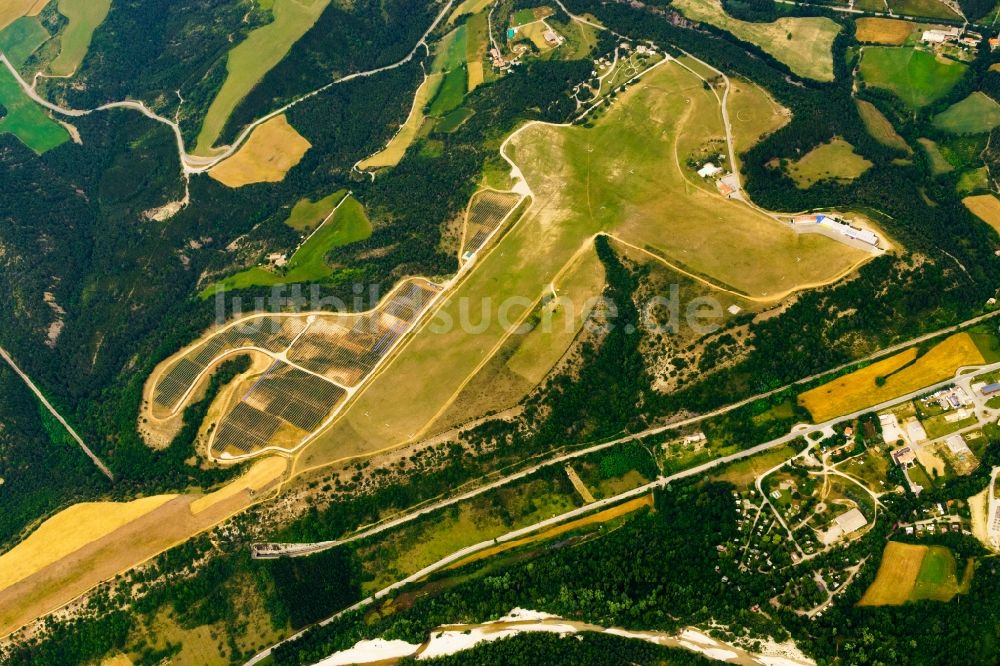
[[468, 7], [561, 319], [986, 207], [68, 531], [753, 114], [805, 44], [271, 151], [599, 517], [11, 10], [880, 127], [262, 474], [117, 660], [535, 32], [897, 574], [902, 373], [90, 543], [627, 161], [397, 146], [874, 30], [475, 75]]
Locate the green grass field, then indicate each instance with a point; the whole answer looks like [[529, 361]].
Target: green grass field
[[451, 93], [307, 214], [449, 59], [879, 126], [973, 180], [939, 164], [976, 114], [84, 16], [936, 579], [804, 44], [26, 120], [348, 225], [620, 176], [22, 38], [254, 57], [923, 8], [831, 161], [916, 77]]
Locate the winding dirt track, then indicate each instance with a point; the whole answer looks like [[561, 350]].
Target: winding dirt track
[[197, 164]]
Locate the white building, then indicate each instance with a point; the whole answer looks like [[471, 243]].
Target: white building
[[940, 36], [709, 170], [958, 447]]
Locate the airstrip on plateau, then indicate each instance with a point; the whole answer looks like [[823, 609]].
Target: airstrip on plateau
[[325, 387], [650, 164]]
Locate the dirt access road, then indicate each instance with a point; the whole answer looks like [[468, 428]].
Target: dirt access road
[[52, 410]]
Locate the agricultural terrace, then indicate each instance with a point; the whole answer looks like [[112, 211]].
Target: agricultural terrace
[[11, 10], [26, 120], [915, 76], [830, 161], [879, 126], [84, 16], [623, 176], [88, 543], [274, 147], [254, 57], [808, 53], [910, 572], [986, 207], [487, 210], [892, 32], [317, 359], [976, 114], [890, 378], [346, 223]]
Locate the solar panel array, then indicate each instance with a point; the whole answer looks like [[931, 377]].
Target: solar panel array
[[485, 215], [286, 399], [271, 333], [346, 349], [300, 389]]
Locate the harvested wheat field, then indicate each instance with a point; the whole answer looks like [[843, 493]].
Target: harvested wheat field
[[90, 543], [910, 572], [986, 207], [11, 10], [896, 575], [271, 151], [890, 378], [874, 30], [68, 531]]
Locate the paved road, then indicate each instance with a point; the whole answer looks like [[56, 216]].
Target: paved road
[[52, 410], [566, 457], [610, 501]]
